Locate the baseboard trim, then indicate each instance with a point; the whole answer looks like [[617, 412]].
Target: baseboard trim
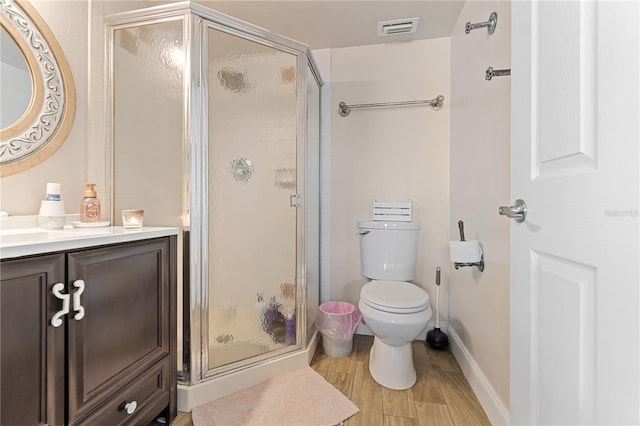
[[496, 411]]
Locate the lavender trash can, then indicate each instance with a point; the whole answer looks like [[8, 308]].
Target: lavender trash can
[[337, 321]]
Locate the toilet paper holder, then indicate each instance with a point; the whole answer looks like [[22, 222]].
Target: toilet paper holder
[[479, 265], [466, 253]]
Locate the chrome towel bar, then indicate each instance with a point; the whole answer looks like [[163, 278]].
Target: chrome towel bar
[[435, 104], [490, 73], [490, 24]]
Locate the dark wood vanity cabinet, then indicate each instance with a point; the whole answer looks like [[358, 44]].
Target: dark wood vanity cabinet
[[32, 352], [112, 359]]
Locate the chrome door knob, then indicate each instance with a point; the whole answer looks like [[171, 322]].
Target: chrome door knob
[[517, 211]]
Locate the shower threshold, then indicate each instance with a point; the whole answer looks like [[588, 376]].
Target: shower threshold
[[190, 396]]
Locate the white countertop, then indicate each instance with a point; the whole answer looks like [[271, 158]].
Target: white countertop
[[29, 240]]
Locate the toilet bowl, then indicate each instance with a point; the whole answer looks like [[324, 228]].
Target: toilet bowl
[[396, 312]]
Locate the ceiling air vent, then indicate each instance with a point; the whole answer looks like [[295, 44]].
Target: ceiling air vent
[[397, 26]]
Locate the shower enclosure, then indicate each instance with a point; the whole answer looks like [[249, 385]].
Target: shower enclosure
[[215, 129]]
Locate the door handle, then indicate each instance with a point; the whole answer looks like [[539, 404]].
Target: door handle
[[517, 211], [77, 305], [57, 288]]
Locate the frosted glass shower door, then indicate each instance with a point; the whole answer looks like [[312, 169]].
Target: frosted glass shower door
[[252, 176], [147, 125]]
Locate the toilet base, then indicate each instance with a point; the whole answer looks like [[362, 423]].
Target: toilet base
[[392, 366]]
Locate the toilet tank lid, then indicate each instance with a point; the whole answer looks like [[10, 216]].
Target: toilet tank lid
[[370, 224]]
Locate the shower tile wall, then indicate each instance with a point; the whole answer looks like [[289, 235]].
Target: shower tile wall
[[390, 154]]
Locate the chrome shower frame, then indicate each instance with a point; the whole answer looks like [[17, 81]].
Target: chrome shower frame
[[196, 19]]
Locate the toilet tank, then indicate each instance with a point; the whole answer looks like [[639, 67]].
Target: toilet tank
[[388, 250]]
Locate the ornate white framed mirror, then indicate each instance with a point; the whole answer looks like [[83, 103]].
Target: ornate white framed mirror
[[37, 92]]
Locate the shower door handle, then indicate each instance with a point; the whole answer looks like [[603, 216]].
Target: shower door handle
[[294, 200]]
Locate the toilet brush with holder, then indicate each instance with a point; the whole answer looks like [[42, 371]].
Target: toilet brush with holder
[[436, 339], [466, 253]]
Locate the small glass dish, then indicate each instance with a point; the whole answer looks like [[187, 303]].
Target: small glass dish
[[132, 219]]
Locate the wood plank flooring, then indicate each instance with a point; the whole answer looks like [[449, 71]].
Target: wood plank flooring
[[441, 396], [182, 419]]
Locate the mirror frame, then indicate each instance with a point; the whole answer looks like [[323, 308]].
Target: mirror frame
[[46, 123]]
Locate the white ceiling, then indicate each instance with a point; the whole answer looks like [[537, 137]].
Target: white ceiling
[[331, 24]]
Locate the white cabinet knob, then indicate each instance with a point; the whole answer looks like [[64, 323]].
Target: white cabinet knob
[[130, 407]]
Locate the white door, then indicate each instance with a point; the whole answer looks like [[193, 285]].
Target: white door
[[575, 322]]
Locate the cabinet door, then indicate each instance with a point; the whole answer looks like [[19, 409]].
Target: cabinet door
[[125, 329], [31, 349]]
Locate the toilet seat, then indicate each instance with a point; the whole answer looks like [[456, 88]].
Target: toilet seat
[[394, 296]]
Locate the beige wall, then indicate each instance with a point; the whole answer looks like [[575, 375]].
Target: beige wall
[[480, 126], [21, 193], [77, 25], [389, 154]]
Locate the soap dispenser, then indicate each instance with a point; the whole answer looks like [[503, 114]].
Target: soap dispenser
[[90, 207]]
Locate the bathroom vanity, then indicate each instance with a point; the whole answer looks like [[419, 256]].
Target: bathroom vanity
[[88, 326]]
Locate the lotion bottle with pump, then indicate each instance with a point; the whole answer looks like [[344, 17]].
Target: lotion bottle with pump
[[90, 207]]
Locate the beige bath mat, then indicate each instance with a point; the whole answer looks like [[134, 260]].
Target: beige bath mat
[[299, 398]]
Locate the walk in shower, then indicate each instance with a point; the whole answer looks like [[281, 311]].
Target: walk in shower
[[215, 129]]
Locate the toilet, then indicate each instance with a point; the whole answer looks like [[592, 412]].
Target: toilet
[[395, 310]]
